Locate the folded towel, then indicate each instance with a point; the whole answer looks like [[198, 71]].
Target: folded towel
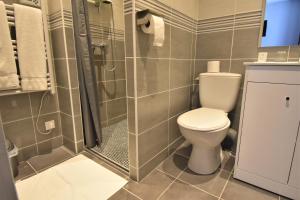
[[30, 43], [34, 84], [8, 70]]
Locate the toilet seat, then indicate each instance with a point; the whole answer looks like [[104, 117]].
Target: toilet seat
[[204, 119]]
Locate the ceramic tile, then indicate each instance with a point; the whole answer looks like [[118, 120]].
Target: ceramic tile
[[150, 187], [212, 184], [48, 145], [174, 132], [130, 77], [179, 101], [50, 103], [239, 190], [21, 133], [64, 100], [152, 76], [132, 150], [115, 89], [152, 110], [57, 38], [40, 127], [216, 45], [245, 43], [25, 170], [116, 108], [180, 73], [152, 164], [179, 49], [15, 107], [27, 152], [149, 145], [45, 161], [180, 190], [123, 195], [173, 165], [118, 73], [67, 126], [131, 115]]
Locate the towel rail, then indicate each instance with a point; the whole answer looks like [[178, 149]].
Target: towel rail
[[10, 12]]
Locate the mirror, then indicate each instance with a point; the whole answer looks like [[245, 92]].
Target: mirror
[[280, 23]]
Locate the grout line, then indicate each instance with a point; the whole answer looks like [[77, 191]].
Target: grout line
[[107, 101], [169, 87], [35, 171], [227, 181], [33, 123], [133, 16], [164, 91], [21, 119], [166, 148], [165, 190], [68, 70], [232, 38], [132, 193]]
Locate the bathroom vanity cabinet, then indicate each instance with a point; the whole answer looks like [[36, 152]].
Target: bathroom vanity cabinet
[[268, 153]]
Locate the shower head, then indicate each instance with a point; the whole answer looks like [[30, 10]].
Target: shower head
[[107, 1]]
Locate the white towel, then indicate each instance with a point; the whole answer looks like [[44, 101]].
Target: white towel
[[31, 48], [34, 84], [8, 70]]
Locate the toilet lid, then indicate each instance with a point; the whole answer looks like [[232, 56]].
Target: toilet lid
[[203, 119]]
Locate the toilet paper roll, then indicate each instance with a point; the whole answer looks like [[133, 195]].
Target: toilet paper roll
[[156, 26], [213, 66]]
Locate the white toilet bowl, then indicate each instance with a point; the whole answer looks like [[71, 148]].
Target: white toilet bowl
[[205, 129]]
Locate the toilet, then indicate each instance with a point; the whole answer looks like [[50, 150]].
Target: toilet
[[206, 127]]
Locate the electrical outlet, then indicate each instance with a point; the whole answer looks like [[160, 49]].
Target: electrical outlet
[[49, 125]]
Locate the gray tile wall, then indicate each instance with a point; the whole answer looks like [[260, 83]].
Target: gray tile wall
[[19, 114], [159, 86], [62, 36], [233, 39]]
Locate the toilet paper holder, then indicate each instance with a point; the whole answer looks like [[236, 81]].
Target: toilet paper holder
[[141, 18]]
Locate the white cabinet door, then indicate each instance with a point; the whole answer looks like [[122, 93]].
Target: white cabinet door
[[295, 170], [269, 130]]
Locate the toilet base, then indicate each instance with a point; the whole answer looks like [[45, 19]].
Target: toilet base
[[204, 159]]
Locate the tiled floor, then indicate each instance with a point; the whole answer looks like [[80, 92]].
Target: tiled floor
[[170, 180], [40, 163], [173, 180]]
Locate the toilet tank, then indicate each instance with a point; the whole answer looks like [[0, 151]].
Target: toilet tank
[[219, 90]]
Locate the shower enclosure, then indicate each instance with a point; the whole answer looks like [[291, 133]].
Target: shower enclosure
[[104, 24]]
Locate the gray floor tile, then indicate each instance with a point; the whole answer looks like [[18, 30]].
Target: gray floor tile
[[180, 190], [228, 161], [237, 190], [42, 162], [185, 151], [213, 183], [151, 186], [123, 195], [173, 165], [25, 171]]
